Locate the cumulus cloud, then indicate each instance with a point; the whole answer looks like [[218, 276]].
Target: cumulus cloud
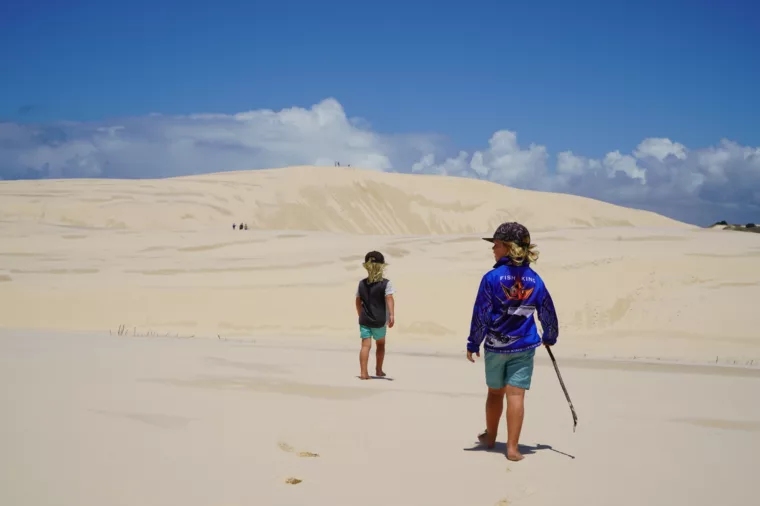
[[162, 146], [660, 174], [503, 162], [700, 186], [660, 149]]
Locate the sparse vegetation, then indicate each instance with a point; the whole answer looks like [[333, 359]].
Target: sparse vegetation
[[749, 227]]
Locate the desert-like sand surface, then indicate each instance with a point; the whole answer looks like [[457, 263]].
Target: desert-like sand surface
[[109, 420], [161, 257], [152, 354]]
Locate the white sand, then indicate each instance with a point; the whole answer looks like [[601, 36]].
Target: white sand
[[107, 420], [160, 256], [91, 257]]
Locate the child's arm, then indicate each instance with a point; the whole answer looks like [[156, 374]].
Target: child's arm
[[480, 317], [391, 310], [547, 315], [358, 306]]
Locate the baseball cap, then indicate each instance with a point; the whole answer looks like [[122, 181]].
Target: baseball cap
[[374, 256], [511, 232]]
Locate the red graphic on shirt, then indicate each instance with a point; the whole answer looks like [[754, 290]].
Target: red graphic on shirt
[[517, 291]]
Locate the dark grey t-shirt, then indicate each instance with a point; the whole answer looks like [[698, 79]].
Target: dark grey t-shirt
[[374, 312]]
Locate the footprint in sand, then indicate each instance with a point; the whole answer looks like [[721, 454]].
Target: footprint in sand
[[285, 447], [289, 449]]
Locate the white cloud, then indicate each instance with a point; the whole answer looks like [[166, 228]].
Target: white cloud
[[450, 167], [660, 148], [160, 146], [570, 165], [697, 185], [700, 186], [615, 162], [504, 162]]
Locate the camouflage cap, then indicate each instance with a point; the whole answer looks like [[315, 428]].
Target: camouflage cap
[[511, 232]]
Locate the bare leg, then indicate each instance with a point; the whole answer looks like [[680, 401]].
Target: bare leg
[[494, 409], [379, 357], [364, 357], [515, 415]]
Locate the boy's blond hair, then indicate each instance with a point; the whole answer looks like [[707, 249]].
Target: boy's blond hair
[[375, 271], [519, 254], [374, 262]]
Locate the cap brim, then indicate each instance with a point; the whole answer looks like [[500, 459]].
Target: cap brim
[[489, 239]]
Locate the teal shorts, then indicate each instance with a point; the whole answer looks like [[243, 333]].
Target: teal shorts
[[515, 369], [375, 333]]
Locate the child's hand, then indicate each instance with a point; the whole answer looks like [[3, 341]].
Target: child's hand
[[391, 321], [469, 355]]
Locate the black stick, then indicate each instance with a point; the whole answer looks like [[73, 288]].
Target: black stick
[[567, 396]]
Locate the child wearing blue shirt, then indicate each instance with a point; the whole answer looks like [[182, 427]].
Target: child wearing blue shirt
[[508, 297]]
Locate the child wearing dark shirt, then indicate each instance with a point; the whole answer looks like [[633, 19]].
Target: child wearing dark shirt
[[375, 307]]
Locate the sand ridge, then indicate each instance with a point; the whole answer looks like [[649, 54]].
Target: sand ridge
[[160, 257], [330, 199]]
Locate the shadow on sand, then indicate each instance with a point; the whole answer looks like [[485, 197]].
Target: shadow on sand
[[524, 449], [386, 378]]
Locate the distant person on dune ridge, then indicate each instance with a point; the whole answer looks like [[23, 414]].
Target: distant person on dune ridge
[[508, 297], [375, 307]]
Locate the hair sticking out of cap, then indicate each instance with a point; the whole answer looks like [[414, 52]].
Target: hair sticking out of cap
[[517, 239], [374, 271], [519, 254], [374, 263]]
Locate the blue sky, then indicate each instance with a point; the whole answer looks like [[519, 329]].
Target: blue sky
[[588, 77]]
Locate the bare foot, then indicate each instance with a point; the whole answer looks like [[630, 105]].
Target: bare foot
[[380, 374], [364, 377], [514, 455], [485, 440]]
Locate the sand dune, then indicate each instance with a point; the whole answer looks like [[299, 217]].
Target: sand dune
[[259, 331], [626, 283], [329, 199], [619, 291]]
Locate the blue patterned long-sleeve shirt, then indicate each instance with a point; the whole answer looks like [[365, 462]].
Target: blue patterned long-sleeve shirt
[[502, 319]]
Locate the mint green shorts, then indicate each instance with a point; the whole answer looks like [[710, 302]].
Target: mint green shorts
[[515, 369], [374, 333]]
